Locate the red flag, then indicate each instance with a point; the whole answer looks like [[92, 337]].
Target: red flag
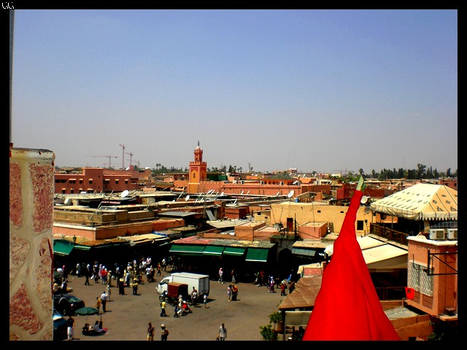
[[347, 306]]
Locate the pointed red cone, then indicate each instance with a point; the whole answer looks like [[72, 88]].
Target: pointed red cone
[[347, 306]]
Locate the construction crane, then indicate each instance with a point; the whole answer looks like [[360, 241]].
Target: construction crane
[[123, 155], [108, 156]]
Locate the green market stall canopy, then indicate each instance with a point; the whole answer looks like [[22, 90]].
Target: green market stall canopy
[[254, 251]]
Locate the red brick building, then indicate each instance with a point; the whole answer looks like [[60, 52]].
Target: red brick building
[[96, 180]]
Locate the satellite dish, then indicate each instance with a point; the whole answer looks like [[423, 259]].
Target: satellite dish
[[187, 197], [127, 168], [290, 194], [222, 193], [67, 201], [364, 199], [124, 194]]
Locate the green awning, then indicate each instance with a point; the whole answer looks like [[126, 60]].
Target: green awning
[[63, 247], [235, 251], [303, 251], [257, 254], [213, 250], [183, 249], [82, 247]]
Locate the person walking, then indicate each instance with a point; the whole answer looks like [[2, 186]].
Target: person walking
[[283, 287], [121, 286], [134, 285], [222, 332], [164, 332], [86, 273], [229, 293], [221, 274], [163, 314], [69, 328], [103, 301], [205, 300], [108, 291], [150, 332]]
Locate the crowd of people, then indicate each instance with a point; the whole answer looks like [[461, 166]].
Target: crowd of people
[[139, 271]]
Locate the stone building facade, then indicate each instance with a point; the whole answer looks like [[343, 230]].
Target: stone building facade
[[31, 265]]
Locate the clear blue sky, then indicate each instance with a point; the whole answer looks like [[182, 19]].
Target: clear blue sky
[[310, 89]]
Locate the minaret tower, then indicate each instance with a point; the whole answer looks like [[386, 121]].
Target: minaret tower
[[197, 172]]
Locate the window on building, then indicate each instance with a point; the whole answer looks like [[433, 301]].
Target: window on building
[[418, 278], [360, 225], [116, 181], [90, 181]]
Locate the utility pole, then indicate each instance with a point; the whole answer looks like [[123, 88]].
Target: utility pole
[[123, 156]]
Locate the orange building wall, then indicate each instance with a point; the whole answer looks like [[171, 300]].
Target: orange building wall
[[97, 180], [112, 231], [444, 286]]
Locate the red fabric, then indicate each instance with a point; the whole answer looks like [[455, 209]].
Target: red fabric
[[409, 293], [347, 306]]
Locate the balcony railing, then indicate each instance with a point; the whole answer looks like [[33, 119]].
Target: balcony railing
[[389, 233]]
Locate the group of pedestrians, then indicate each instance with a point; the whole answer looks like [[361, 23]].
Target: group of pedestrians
[[164, 332], [272, 282]]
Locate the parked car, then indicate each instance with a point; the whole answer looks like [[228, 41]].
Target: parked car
[[66, 304], [60, 326]]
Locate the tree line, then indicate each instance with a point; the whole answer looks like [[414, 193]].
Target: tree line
[[420, 172]]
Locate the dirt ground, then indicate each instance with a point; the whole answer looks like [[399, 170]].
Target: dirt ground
[[128, 315]]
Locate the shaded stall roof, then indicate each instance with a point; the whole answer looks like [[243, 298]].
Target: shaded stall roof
[[144, 238], [223, 242], [304, 295], [420, 202]]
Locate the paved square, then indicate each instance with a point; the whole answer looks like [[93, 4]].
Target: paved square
[[128, 315]]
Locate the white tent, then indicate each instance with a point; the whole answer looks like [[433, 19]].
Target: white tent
[[420, 202]]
